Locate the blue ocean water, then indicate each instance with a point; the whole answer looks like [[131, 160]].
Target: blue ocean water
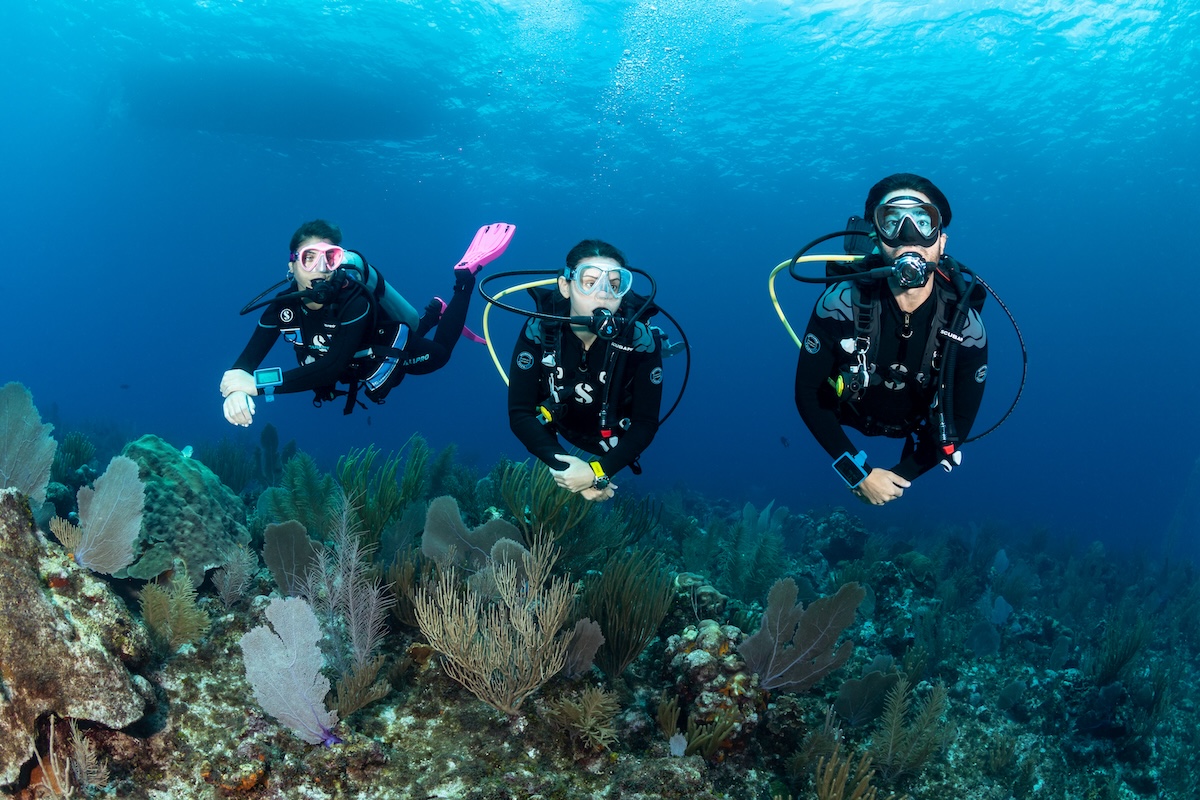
[[158, 157]]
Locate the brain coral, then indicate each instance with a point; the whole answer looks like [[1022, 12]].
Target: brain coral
[[189, 513]]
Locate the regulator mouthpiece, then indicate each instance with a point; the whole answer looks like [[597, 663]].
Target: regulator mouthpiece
[[910, 271], [322, 292]]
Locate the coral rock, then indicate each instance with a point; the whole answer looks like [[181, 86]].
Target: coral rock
[[65, 640], [704, 597], [710, 675]]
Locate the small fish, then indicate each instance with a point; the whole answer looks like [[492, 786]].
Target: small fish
[[784, 441], [186, 452]]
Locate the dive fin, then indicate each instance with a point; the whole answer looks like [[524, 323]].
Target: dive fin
[[489, 242]]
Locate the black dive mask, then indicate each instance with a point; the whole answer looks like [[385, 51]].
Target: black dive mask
[[911, 271], [907, 221], [909, 233]]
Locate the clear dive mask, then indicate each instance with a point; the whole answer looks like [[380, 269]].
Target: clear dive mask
[[907, 220], [591, 280], [318, 255]]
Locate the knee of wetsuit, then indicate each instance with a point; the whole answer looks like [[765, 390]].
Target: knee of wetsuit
[[431, 317]]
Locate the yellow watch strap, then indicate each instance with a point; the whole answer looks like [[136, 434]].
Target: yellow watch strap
[[597, 469]]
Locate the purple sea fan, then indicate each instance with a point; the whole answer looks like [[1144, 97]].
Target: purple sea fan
[[794, 647], [283, 667], [110, 518]]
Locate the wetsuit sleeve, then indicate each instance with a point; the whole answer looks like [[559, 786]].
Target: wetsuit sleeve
[[525, 391], [916, 461], [970, 372], [261, 342], [812, 373], [646, 390]]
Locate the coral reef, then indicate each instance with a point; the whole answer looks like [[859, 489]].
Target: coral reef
[[973, 663]]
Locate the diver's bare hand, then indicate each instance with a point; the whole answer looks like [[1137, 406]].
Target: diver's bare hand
[[881, 486], [239, 409], [576, 476], [237, 380], [599, 495]]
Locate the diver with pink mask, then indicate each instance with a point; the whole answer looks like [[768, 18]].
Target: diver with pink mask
[[348, 326]]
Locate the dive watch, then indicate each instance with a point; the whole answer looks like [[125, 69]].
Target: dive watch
[[851, 468], [265, 380], [601, 480]]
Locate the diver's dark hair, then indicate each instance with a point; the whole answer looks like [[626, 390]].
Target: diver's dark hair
[[319, 229], [594, 247], [907, 180]]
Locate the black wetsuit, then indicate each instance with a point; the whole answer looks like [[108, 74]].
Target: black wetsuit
[[579, 382], [897, 401], [348, 341]]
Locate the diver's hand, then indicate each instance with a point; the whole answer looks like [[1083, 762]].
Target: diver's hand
[[598, 495], [576, 477], [237, 380], [239, 409], [881, 486]]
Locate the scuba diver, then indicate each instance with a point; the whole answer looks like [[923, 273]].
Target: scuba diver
[[587, 368], [898, 348], [348, 325]]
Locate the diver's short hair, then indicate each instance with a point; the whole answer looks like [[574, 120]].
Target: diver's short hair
[[318, 229], [907, 180], [594, 247]]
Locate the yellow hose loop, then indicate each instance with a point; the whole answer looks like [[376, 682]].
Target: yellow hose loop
[[784, 265], [487, 336]]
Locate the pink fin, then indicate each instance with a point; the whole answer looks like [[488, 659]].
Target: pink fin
[[489, 243]]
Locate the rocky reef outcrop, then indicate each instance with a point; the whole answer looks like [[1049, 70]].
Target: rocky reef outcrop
[[67, 641]]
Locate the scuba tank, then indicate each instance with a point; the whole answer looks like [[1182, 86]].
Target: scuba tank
[[385, 294]]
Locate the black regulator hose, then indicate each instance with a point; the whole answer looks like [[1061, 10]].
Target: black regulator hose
[[1024, 362], [253, 304]]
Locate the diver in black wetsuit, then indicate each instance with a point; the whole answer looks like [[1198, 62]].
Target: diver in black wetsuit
[[559, 379], [342, 332], [877, 369]]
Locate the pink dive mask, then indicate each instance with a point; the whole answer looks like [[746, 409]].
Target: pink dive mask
[[312, 256]]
